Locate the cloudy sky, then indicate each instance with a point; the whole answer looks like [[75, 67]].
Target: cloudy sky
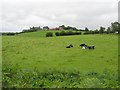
[[21, 14]]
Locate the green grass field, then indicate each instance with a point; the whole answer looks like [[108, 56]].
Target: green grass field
[[30, 52]]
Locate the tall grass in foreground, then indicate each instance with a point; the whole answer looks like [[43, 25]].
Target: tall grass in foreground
[[17, 78]]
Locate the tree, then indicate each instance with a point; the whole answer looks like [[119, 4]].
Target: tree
[[102, 29], [108, 30], [46, 28], [57, 33], [86, 29], [115, 27], [62, 26], [67, 27], [96, 30]]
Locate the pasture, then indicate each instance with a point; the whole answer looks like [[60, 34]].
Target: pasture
[[30, 52]]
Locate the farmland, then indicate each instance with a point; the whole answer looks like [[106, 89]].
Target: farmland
[[46, 62]]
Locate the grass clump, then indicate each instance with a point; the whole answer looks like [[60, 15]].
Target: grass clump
[[13, 78]]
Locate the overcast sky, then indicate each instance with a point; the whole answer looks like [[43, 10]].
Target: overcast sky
[[22, 14]]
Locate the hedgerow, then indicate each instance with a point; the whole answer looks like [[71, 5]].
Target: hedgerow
[[63, 33]]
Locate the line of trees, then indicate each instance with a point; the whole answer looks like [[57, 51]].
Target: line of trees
[[67, 27], [114, 28], [8, 34], [63, 33], [97, 32], [32, 29]]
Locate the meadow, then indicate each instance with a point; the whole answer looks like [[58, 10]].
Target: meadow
[[33, 60]]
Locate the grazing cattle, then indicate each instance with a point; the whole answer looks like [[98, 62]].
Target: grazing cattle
[[84, 46], [69, 46], [91, 47]]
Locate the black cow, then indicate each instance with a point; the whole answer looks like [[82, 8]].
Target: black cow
[[91, 47], [69, 46], [82, 45]]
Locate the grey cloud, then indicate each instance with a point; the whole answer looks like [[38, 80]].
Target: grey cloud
[[78, 13]]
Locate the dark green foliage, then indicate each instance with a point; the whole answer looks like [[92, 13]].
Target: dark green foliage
[[45, 28], [78, 33], [62, 26], [115, 27], [63, 33], [90, 32], [32, 29], [29, 30], [57, 34], [102, 29], [16, 78], [70, 33], [49, 34], [86, 29], [67, 27], [108, 30], [8, 34], [97, 32]]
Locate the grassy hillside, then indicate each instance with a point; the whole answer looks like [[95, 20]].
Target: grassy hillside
[[34, 51]]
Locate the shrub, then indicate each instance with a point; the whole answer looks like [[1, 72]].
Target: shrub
[[49, 34], [57, 34], [70, 33], [63, 33], [91, 32], [77, 33]]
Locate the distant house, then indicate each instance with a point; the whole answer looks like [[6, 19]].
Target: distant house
[[45, 28]]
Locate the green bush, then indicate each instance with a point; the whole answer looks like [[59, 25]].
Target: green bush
[[77, 33], [49, 34], [63, 33], [57, 34]]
